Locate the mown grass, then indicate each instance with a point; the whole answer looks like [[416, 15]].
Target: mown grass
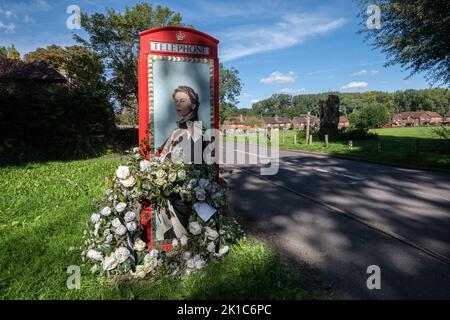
[[43, 210], [398, 147]]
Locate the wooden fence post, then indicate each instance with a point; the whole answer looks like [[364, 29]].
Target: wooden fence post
[[380, 147], [326, 141], [350, 144]]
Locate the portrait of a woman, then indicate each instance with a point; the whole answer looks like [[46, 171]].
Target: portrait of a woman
[[183, 142]]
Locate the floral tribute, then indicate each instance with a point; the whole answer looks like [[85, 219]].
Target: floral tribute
[[115, 241]]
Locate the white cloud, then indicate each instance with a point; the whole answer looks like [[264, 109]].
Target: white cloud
[[28, 19], [42, 5], [7, 13], [292, 91], [365, 72], [291, 30], [355, 85], [254, 101], [9, 28], [278, 77]]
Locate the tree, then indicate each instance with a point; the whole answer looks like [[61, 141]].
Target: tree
[[114, 36], [13, 53], [3, 52], [372, 116], [229, 89], [413, 34]]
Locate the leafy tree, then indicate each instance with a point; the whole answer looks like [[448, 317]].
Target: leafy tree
[[3, 52], [413, 34], [114, 36], [372, 116], [13, 53], [229, 89]]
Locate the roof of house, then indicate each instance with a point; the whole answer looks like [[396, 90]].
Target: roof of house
[[343, 119], [303, 119], [416, 115], [36, 71]]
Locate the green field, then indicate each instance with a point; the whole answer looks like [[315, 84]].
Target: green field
[[398, 147], [43, 210]]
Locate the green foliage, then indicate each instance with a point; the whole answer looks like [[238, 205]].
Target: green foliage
[[442, 132], [114, 36], [42, 212], [3, 52], [230, 86], [53, 122], [13, 53], [413, 34], [372, 116]]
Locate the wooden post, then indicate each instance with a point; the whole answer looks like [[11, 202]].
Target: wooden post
[[350, 144], [380, 147], [235, 149], [326, 141], [295, 137], [310, 139], [307, 127]]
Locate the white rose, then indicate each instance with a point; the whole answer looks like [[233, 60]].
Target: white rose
[[199, 262], [172, 177], [109, 263], [174, 242], [128, 182], [203, 183], [129, 216], [116, 223], [200, 194], [95, 217], [144, 165], [224, 250], [131, 226], [183, 240], [106, 211], [135, 149], [122, 172], [186, 255], [211, 247], [190, 264], [182, 174], [121, 230], [120, 207], [160, 182], [160, 174], [195, 228], [121, 254], [94, 255], [140, 272], [139, 245], [211, 233]]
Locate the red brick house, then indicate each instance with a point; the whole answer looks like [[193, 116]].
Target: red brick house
[[343, 122], [301, 121], [276, 122], [447, 118], [416, 119]]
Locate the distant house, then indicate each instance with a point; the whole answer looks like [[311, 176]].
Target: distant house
[[276, 122], [343, 122], [38, 72], [242, 122], [416, 119], [301, 121]]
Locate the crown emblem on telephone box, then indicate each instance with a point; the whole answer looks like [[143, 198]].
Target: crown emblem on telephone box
[[180, 36]]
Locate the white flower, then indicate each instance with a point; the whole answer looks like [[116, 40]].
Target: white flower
[[106, 211], [121, 230], [160, 182], [190, 264], [96, 228], [121, 254], [195, 228], [174, 242], [129, 216], [224, 250], [200, 194], [186, 255], [203, 183], [136, 149], [120, 207], [211, 233], [109, 238], [116, 223], [94, 255], [140, 272], [160, 174], [183, 240], [182, 174], [153, 253], [131, 226], [193, 182], [211, 247], [139, 245], [128, 182], [123, 172], [95, 217], [172, 177], [199, 262], [144, 165], [109, 263]]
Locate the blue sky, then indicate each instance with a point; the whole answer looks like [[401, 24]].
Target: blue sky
[[278, 46]]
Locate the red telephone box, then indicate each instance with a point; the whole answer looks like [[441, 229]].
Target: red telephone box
[[171, 57]]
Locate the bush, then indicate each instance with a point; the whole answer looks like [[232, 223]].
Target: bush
[[41, 123], [372, 116]]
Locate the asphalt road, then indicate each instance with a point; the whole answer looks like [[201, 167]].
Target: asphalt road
[[342, 216]]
